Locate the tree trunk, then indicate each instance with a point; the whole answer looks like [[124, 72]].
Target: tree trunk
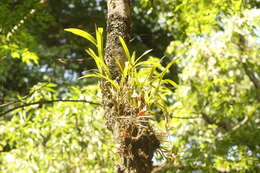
[[118, 24], [133, 135]]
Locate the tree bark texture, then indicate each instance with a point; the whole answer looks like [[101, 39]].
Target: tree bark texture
[[118, 24], [135, 138]]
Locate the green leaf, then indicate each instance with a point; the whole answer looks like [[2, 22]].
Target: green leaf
[[119, 64], [172, 83], [133, 58], [99, 36], [127, 53], [99, 62], [15, 55], [83, 34], [101, 77], [145, 53], [168, 66], [28, 56], [150, 62], [125, 71], [52, 85], [94, 56]]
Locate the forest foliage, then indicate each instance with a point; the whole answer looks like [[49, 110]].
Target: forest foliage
[[201, 81]]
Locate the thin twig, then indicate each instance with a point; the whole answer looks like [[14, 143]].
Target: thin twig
[[24, 97], [240, 124], [47, 102], [222, 124], [251, 76], [9, 103]]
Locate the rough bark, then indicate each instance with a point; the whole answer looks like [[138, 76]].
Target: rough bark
[[133, 135], [118, 24]]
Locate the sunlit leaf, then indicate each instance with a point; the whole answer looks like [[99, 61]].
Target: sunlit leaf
[[83, 34], [115, 84], [127, 53]]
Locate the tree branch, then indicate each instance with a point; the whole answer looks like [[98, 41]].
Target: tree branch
[[223, 124], [253, 79], [11, 102], [241, 123], [251, 76], [47, 102]]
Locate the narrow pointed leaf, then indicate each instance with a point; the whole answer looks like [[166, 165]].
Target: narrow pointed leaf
[[99, 62], [119, 64], [145, 53], [133, 58], [93, 55], [169, 66], [99, 33], [174, 84], [101, 77], [125, 48], [83, 34]]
